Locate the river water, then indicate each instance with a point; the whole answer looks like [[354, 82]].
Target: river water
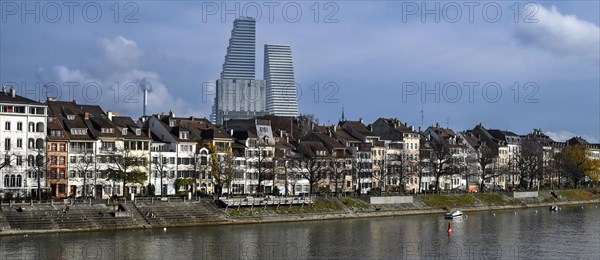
[[571, 233]]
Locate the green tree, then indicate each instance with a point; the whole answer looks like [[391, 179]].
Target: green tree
[[127, 168], [577, 163]]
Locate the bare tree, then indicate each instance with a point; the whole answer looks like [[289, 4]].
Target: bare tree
[[294, 168], [381, 175], [226, 172], [315, 170], [265, 168], [160, 164], [339, 172], [7, 160], [84, 166], [529, 162], [396, 169], [39, 166], [485, 160], [442, 163]]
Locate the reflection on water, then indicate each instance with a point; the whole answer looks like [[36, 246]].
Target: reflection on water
[[537, 233]]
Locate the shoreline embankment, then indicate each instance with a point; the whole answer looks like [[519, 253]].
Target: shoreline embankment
[[29, 219]]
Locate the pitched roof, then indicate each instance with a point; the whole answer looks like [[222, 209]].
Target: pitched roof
[[56, 111], [359, 127], [6, 97], [310, 148], [327, 140], [343, 134]]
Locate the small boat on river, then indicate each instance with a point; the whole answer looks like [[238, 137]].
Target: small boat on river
[[453, 214]]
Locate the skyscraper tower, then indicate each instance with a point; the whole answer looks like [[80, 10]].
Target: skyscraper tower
[[240, 60], [238, 94], [281, 85]]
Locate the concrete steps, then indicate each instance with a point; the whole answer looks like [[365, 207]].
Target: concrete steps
[[177, 213], [57, 217], [3, 222]]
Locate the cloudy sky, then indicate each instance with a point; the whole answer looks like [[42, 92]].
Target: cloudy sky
[[508, 65]]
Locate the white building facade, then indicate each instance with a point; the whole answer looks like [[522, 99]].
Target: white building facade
[[22, 145]]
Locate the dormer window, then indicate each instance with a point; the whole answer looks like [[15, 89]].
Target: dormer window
[[78, 131], [172, 122], [124, 131], [184, 135], [55, 133], [107, 130], [138, 131], [71, 117]]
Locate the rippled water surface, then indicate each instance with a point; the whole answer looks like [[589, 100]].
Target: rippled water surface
[[571, 233]]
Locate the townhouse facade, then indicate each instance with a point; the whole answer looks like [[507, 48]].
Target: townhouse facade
[[63, 149], [23, 159]]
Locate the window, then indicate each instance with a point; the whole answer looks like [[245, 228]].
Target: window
[[55, 133], [138, 131], [19, 160], [30, 160], [7, 144], [31, 127], [7, 125], [36, 110], [186, 148], [63, 147], [184, 135], [39, 143], [39, 127], [172, 123], [78, 131], [107, 130], [73, 159], [19, 126], [62, 160], [19, 143], [53, 147], [108, 145], [124, 131]]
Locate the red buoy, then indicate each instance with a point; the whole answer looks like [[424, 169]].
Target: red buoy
[[449, 229]]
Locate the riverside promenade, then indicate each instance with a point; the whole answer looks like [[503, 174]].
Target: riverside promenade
[[29, 218]]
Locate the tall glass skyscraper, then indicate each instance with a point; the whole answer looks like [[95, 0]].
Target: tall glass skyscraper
[[238, 94], [281, 85], [240, 60]]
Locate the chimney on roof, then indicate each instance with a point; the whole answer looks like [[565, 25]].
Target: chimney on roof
[[12, 91], [360, 120], [437, 125], [171, 114], [86, 115], [192, 118], [110, 115], [3, 89]]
